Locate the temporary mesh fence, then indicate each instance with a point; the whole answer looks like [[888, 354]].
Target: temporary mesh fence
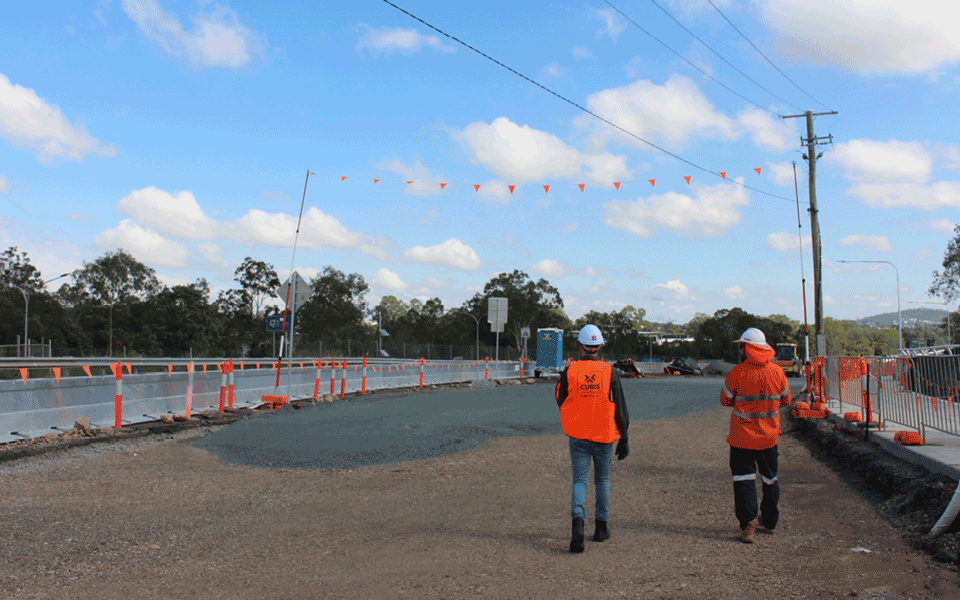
[[44, 397]]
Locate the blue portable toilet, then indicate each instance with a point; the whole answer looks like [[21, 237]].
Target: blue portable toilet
[[549, 351]]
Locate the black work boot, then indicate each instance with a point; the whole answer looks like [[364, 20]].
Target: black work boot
[[576, 541], [601, 533]]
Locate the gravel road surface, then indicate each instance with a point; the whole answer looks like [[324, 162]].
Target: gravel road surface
[[483, 513]]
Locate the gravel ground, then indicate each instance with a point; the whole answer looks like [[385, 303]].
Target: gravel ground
[[156, 517]]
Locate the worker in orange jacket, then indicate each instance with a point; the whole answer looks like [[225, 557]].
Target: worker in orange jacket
[[594, 416], [756, 389]]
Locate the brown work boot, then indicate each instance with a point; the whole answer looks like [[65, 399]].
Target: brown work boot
[[746, 534], [763, 528]]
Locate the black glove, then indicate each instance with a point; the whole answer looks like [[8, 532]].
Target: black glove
[[623, 449]]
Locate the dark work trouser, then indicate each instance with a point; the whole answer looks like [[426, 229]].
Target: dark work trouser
[[744, 465]]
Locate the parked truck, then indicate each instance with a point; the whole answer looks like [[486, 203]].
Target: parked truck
[[787, 359]]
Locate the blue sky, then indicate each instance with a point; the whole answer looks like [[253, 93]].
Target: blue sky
[[182, 131]]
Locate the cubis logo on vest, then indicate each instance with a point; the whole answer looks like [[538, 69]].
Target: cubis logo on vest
[[590, 382]]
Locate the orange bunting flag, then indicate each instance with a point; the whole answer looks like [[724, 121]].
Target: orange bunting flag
[[443, 185], [724, 175], [56, 373], [86, 369], [546, 188], [376, 181], [129, 369], [113, 369], [512, 187], [409, 182], [204, 368], [169, 370], [687, 177], [342, 177], [653, 182], [301, 364], [311, 172], [581, 186], [476, 187], [616, 184], [758, 170], [241, 365], [258, 366], [23, 373]]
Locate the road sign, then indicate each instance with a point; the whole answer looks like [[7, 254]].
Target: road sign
[[302, 289], [496, 327], [524, 333], [274, 323], [497, 310]]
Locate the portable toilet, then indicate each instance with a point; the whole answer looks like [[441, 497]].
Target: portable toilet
[[549, 351]]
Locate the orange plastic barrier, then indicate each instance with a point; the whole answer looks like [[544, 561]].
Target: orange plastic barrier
[[270, 401], [909, 438], [852, 417]]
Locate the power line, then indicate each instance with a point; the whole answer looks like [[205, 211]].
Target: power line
[[680, 56], [586, 110], [720, 57], [765, 57]]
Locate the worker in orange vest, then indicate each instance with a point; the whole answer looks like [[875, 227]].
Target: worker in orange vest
[[594, 416], [756, 389]]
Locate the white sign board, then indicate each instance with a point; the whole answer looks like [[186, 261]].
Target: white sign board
[[524, 332], [496, 327], [497, 310], [302, 290]]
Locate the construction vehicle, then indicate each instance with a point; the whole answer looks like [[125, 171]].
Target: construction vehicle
[[787, 359]]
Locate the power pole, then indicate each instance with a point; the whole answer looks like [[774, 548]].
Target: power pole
[[811, 142]]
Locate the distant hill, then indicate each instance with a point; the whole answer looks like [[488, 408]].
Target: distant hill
[[928, 317]]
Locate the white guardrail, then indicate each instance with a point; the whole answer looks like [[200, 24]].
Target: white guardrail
[[50, 394]]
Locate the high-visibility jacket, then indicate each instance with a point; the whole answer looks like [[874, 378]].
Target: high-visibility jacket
[[755, 389], [591, 402]]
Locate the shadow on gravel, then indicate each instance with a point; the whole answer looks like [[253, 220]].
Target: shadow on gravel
[[906, 495]]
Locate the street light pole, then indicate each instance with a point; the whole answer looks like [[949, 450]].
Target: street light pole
[[26, 309], [899, 317]]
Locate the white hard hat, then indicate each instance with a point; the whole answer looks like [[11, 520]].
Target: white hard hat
[[590, 336], [752, 336]]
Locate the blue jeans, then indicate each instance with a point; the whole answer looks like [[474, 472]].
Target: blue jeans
[[581, 451]]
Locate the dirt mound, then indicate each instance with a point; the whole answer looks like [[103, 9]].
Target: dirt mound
[[906, 495]]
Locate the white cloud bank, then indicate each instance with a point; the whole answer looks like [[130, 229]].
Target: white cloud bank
[[783, 241], [867, 36], [4, 185], [880, 243], [550, 268], [26, 121], [386, 278], [451, 253], [216, 40], [710, 213]]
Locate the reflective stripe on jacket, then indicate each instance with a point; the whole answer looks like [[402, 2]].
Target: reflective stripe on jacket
[[756, 390], [588, 411]]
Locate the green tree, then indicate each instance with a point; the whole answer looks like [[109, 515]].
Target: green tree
[[946, 283], [259, 282], [336, 309]]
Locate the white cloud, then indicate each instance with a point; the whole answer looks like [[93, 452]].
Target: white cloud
[[26, 121], [783, 241], [828, 299], [176, 214], [553, 70], [711, 213], [406, 41], [908, 195], [782, 172], [495, 191], [951, 157], [767, 133], [671, 113], [550, 268], [880, 243], [922, 254], [581, 53], [214, 255], [386, 278], [144, 244], [867, 36], [423, 182], [4, 185], [570, 228], [943, 225], [216, 40], [679, 289], [869, 160], [522, 154], [734, 293], [452, 253], [612, 26]]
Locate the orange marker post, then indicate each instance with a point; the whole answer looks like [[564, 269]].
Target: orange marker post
[[333, 375], [223, 384], [118, 399], [343, 380], [521, 367], [230, 388], [363, 384], [486, 371], [421, 372], [189, 406], [316, 382]]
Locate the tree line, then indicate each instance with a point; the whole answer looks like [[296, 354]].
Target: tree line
[[115, 304]]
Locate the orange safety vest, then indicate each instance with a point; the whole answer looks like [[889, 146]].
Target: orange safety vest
[[588, 412], [755, 389]]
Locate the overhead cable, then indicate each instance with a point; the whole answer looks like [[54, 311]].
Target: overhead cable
[[720, 57], [681, 57], [582, 108], [765, 57]]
